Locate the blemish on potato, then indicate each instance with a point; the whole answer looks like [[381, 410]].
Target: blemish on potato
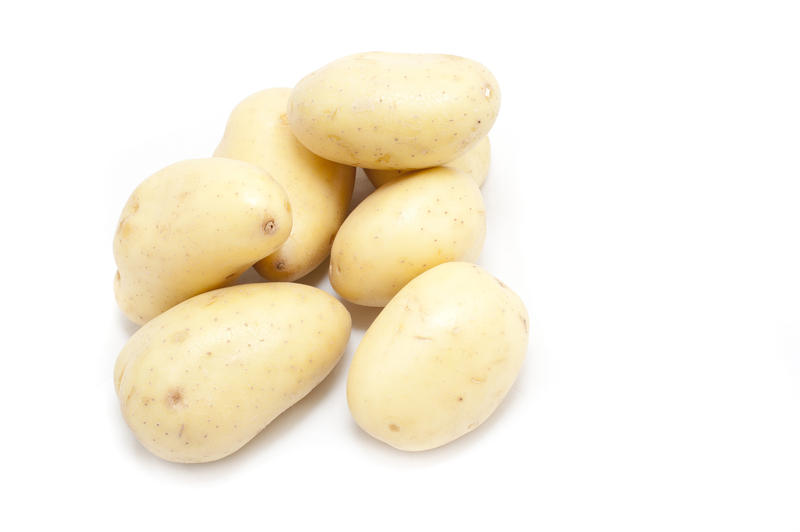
[[175, 398], [393, 427], [269, 226]]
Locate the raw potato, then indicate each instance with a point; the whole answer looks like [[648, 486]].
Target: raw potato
[[474, 163], [405, 227], [192, 227], [319, 190], [439, 359], [201, 380], [394, 111]]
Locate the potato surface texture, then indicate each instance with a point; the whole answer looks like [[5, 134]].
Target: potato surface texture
[[439, 359], [192, 227], [474, 163], [199, 381], [405, 227], [394, 111], [319, 190]]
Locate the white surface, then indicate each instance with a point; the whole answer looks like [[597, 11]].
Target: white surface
[[643, 200]]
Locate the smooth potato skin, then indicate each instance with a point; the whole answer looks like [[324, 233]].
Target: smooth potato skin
[[319, 190], [394, 111], [438, 359], [405, 227], [199, 381], [192, 227], [474, 163]]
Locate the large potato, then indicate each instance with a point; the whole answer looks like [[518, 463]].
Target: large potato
[[439, 359], [319, 190], [474, 163], [194, 226], [405, 227], [199, 381], [394, 111]]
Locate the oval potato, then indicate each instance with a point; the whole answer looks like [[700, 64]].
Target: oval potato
[[394, 111], [405, 227], [192, 227], [202, 379], [318, 190], [439, 359], [474, 163]]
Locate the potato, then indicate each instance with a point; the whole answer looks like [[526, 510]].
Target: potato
[[405, 227], [319, 190], [474, 163], [394, 111], [202, 379], [439, 359], [192, 227]]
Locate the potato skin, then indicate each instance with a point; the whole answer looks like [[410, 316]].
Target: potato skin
[[192, 227], [394, 111], [202, 379], [319, 190], [405, 227], [474, 163], [438, 359]]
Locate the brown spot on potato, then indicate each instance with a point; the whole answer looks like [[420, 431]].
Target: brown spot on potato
[[393, 427], [460, 399], [175, 398], [280, 265], [270, 226], [180, 433]]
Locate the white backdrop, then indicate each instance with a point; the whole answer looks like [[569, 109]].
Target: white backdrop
[[643, 200]]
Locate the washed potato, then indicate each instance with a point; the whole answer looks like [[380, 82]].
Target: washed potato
[[192, 227], [394, 111], [405, 227], [439, 359], [319, 190], [202, 379], [474, 163]]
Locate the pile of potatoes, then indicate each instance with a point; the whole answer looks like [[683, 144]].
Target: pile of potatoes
[[214, 364]]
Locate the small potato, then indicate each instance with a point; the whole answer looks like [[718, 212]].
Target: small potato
[[319, 190], [394, 111], [192, 227], [439, 359], [405, 227], [474, 163], [202, 379]]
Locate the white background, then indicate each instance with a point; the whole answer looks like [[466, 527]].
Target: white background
[[643, 200]]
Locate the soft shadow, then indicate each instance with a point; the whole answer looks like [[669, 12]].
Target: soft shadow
[[317, 275], [249, 276], [362, 316], [125, 324], [363, 188]]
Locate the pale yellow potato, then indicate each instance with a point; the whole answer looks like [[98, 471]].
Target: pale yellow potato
[[394, 111], [319, 190], [474, 163], [439, 359], [192, 227], [202, 379], [405, 227]]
